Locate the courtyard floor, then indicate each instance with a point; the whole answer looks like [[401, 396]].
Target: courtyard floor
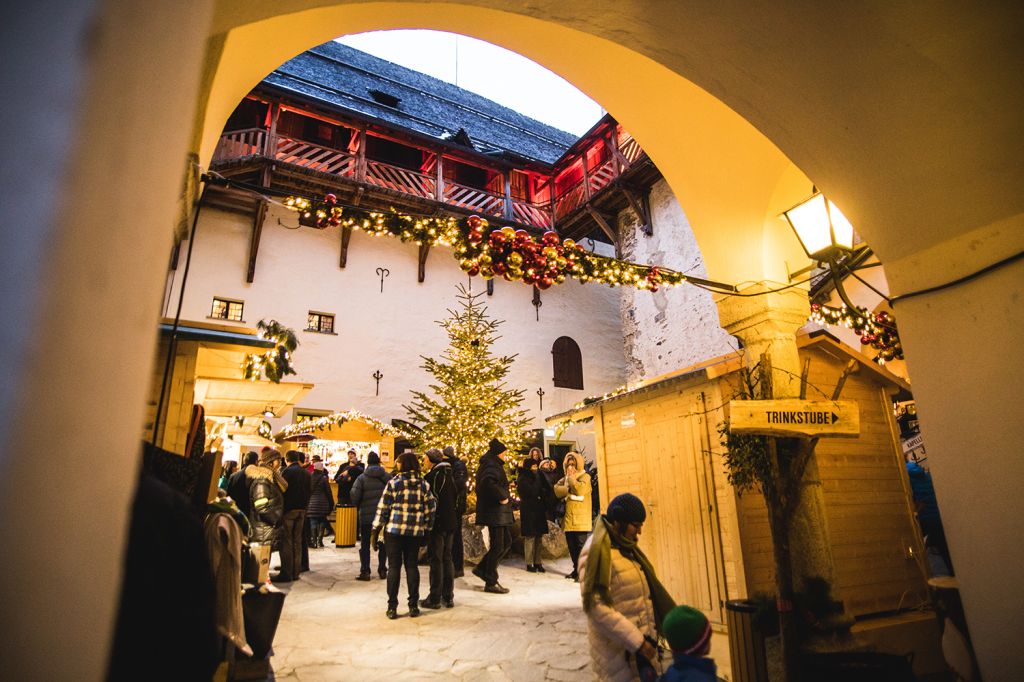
[[334, 628]]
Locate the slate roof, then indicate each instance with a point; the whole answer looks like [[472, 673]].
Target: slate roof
[[343, 77]]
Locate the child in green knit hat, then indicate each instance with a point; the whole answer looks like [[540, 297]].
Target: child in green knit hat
[[689, 634]]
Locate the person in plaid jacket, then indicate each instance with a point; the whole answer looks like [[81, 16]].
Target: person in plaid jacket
[[405, 515]]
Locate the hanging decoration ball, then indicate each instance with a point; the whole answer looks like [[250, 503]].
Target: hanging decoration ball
[[569, 244], [499, 268], [475, 237], [515, 259], [475, 222], [331, 199], [497, 238], [485, 259], [509, 232], [474, 271], [544, 283], [882, 317], [551, 238], [466, 265]]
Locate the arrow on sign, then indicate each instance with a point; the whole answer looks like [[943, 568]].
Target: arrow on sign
[[835, 417]]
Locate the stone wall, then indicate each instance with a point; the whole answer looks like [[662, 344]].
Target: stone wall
[[673, 327]]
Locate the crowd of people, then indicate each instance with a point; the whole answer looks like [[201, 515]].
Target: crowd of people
[[421, 504]]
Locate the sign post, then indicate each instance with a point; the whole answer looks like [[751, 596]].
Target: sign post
[[787, 418]]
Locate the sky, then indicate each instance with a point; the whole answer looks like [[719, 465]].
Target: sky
[[488, 70]]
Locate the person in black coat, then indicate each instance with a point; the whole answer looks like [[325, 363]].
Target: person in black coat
[[346, 478], [366, 493], [446, 521], [494, 511], [238, 485], [535, 494], [321, 502], [296, 499], [460, 472]]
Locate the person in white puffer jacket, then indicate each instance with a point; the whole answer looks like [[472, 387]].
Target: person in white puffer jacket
[[623, 598]]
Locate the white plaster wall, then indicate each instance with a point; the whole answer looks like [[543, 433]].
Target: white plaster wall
[[673, 327], [297, 271]]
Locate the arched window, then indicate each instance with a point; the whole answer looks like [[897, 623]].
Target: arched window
[[568, 363]]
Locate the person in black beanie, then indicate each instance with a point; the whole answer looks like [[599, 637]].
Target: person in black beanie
[[494, 511], [460, 472]]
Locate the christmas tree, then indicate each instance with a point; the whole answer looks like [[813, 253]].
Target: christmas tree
[[471, 402]]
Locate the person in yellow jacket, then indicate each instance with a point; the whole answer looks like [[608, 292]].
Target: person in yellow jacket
[[577, 523]]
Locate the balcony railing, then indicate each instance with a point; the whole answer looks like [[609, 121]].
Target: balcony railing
[[256, 141]]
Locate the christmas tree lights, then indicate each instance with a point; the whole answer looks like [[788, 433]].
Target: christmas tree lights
[[471, 403]]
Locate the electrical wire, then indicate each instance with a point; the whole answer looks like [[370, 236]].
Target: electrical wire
[[962, 280]]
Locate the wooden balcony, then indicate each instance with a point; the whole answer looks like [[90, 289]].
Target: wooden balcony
[[411, 189]]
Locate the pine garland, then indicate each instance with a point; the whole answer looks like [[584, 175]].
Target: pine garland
[[275, 364]]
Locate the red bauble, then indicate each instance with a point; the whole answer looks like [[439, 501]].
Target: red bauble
[[551, 238], [331, 199], [545, 283], [528, 278], [473, 271], [475, 237], [497, 238], [474, 222], [499, 267]]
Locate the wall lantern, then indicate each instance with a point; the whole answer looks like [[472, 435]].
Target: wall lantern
[[268, 412], [824, 233], [821, 227]]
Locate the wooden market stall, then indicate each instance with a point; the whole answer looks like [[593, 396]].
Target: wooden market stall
[[660, 441]]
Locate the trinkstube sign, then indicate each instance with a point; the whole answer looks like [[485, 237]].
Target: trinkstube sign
[[823, 418]]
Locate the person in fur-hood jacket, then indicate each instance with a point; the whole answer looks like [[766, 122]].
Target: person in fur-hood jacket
[[266, 497]]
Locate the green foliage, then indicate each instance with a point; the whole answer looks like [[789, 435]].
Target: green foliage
[[470, 402], [275, 364], [747, 465]]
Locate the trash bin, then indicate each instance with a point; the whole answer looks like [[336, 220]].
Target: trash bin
[[345, 518], [746, 643]]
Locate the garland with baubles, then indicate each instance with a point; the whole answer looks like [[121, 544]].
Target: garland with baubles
[[506, 252], [876, 330]]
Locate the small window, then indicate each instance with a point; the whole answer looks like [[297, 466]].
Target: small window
[[385, 99], [226, 309], [568, 363], [320, 322]]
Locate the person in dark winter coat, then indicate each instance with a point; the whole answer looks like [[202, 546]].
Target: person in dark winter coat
[[535, 493], [365, 495], [321, 502], [446, 521], [238, 485], [405, 515], [346, 477], [296, 499], [494, 511], [266, 498], [460, 472]]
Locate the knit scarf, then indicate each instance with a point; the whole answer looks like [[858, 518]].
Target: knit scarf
[[597, 576]]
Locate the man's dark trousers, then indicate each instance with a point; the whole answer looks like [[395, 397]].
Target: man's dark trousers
[[365, 530], [442, 570], [501, 542], [291, 544]]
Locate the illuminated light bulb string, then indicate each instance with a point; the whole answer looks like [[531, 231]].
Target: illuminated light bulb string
[[876, 330], [275, 364]]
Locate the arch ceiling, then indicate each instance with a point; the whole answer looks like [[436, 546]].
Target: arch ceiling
[[906, 118]]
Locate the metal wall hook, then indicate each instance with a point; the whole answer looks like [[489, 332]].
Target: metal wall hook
[[382, 273], [378, 376]]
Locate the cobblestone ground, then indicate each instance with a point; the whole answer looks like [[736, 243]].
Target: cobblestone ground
[[333, 628]]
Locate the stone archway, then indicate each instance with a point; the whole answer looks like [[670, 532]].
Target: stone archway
[[906, 120]]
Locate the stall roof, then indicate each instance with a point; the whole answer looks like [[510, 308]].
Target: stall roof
[[229, 397], [726, 364], [192, 331]]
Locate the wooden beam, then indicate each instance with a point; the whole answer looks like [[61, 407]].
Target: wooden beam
[[254, 242], [358, 198], [439, 181], [617, 155], [641, 207], [507, 178], [490, 287], [424, 250], [346, 234], [586, 175], [270, 144], [361, 157], [602, 222]]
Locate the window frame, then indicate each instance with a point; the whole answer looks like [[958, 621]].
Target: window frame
[[319, 329], [228, 302]]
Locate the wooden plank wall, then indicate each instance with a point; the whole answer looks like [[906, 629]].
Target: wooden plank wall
[[867, 511], [655, 445], [178, 398]]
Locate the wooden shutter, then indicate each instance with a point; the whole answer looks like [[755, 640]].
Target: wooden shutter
[[567, 362]]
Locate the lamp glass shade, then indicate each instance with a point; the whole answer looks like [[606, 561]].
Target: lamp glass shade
[[842, 230], [821, 227]]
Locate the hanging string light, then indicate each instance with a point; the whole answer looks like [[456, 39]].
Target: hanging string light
[[877, 330]]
